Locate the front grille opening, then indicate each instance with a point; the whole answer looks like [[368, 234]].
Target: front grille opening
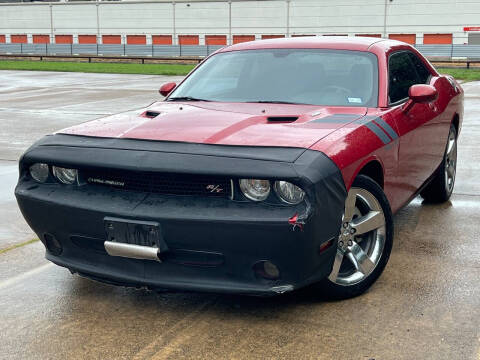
[[159, 183]]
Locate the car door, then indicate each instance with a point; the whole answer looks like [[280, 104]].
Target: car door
[[419, 153]]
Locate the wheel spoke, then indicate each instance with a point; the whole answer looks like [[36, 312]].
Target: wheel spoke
[[360, 259], [451, 171], [350, 205], [336, 265], [366, 223], [451, 146]]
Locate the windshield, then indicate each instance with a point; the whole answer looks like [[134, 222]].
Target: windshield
[[300, 76]]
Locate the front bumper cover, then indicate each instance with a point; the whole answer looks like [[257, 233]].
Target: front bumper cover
[[212, 243]]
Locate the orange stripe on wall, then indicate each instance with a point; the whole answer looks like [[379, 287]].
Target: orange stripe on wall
[[437, 38], [111, 39], [272, 36], [18, 39], [216, 39], [188, 39], [408, 38], [242, 38], [2, 39], [87, 39], [41, 39], [136, 39], [162, 39], [63, 39], [370, 35]]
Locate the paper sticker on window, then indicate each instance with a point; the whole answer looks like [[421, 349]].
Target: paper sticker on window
[[355, 100]]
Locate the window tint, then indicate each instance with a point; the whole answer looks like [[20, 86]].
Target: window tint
[[302, 76], [402, 75], [422, 71], [404, 70]]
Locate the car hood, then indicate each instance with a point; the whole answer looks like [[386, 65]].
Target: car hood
[[224, 123]]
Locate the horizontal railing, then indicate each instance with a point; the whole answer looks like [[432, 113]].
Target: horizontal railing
[[443, 51], [110, 49], [465, 54]]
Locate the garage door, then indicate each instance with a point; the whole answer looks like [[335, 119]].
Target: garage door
[[242, 38], [408, 38], [272, 36], [87, 39], [41, 39], [216, 39], [63, 39], [162, 39], [18, 39], [136, 39], [188, 39], [437, 38], [473, 39], [111, 39], [370, 35]]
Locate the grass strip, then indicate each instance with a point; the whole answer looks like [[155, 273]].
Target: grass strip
[[112, 68], [461, 74], [18, 245], [161, 69]]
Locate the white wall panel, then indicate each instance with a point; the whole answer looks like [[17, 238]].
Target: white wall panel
[[25, 19], [74, 19], [202, 18], [136, 18], [248, 17], [259, 17]]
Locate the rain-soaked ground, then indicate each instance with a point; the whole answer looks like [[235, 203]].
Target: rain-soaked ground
[[426, 305]]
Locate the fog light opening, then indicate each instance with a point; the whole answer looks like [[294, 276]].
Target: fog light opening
[[267, 270], [52, 244]]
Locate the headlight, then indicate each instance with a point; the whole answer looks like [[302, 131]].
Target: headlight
[[289, 193], [66, 176], [39, 172], [255, 189]]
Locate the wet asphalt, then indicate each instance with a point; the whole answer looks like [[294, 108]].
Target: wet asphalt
[[426, 305]]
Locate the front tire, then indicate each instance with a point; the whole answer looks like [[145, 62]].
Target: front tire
[[441, 187], [364, 243]]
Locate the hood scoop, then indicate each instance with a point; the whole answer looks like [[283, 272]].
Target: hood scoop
[[150, 114], [282, 119]]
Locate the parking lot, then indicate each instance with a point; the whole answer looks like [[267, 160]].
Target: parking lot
[[426, 305]]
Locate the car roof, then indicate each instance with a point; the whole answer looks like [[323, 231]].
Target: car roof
[[357, 43]]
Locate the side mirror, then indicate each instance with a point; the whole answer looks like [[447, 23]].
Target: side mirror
[[167, 88], [420, 94]]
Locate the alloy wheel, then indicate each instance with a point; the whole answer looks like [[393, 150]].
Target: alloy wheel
[[361, 240], [451, 162]]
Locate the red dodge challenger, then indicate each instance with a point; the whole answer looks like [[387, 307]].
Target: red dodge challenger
[[274, 165]]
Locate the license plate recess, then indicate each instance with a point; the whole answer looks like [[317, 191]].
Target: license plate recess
[[135, 232]]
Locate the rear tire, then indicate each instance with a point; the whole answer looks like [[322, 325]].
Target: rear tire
[[441, 187], [364, 243]]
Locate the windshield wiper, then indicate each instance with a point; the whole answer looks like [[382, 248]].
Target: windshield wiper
[[274, 102], [186, 98]]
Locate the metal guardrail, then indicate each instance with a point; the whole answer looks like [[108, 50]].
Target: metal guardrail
[[443, 51], [109, 49], [450, 51], [107, 58], [444, 54]]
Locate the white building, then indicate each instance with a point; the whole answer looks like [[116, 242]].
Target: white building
[[222, 22]]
